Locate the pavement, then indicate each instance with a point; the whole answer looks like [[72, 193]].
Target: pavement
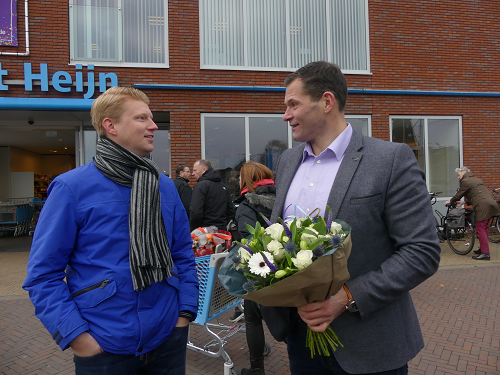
[[458, 309]]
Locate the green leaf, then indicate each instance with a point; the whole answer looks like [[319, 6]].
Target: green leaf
[[266, 239], [309, 231], [317, 242], [293, 229], [257, 229], [306, 222], [320, 226], [288, 259], [250, 228]]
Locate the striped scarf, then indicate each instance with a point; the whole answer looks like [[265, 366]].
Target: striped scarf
[[149, 253]]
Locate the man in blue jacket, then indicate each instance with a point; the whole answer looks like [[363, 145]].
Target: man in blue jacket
[[117, 231]]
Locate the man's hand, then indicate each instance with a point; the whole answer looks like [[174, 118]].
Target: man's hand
[[182, 322], [84, 345], [319, 315]]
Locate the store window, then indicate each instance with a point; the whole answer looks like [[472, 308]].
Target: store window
[[284, 34], [229, 140], [119, 32], [437, 145], [160, 154]]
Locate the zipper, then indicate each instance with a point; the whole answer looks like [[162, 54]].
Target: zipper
[[100, 284]]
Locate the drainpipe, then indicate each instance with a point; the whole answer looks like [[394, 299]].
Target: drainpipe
[[27, 53]]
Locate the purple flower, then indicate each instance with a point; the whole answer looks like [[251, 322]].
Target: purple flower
[[247, 249], [329, 219], [271, 266], [288, 232], [336, 240], [290, 247], [318, 251], [268, 222]]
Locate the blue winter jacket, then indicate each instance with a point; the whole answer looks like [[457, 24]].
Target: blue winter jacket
[[83, 235]]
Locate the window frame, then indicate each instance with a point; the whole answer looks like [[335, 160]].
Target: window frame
[[247, 117], [280, 69], [115, 63], [426, 119]]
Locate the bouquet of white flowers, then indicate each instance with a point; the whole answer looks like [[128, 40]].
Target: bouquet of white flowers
[[290, 264]]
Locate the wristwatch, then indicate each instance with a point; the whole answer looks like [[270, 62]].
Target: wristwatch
[[351, 305]]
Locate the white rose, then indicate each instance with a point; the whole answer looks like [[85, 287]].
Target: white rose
[[275, 231], [335, 228], [276, 248], [298, 223], [308, 238], [243, 254], [303, 259]]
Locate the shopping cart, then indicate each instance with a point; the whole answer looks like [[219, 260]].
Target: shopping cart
[[214, 301], [15, 217]]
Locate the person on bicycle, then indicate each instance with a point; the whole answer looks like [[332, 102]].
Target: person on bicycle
[[485, 207]]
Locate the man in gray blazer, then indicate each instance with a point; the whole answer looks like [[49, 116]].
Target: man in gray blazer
[[378, 188]]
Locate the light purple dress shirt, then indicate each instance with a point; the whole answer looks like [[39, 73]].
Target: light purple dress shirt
[[314, 178]]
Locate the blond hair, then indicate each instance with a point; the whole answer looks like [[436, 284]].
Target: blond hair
[[110, 105]]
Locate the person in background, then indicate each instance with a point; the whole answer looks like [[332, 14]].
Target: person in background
[[377, 188], [257, 197], [211, 204], [181, 180], [483, 203], [111, 272]]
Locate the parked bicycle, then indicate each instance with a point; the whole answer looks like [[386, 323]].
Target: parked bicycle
[[494, 222], [456, 227]]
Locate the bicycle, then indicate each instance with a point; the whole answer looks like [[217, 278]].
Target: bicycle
[[461, 239], [494, 222]]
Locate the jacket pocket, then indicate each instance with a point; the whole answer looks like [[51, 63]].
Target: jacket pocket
[[173, 280], [94, 294], [365, 200]]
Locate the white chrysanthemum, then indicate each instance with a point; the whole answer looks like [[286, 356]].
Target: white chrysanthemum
[[275, 231], [335, 228], [258, 266], [303, 259]]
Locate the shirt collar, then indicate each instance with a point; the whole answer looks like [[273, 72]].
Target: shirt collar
[[338, 146]]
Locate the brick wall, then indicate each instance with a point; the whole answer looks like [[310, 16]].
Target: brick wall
[[450, 45]]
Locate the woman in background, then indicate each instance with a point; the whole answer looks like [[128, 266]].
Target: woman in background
[[257, 196], [483, 203]]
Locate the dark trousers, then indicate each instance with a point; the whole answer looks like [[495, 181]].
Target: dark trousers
[[301, 362], [254, 331], [168, 359]]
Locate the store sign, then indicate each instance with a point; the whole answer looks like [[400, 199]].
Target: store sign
[[62, 81], [8, 23]]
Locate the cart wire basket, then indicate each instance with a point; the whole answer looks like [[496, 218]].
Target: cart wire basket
[[214, 301]]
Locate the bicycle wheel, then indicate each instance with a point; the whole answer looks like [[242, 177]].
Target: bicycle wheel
[[494, 229], [461, 240]]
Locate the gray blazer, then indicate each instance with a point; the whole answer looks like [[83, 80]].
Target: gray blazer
[[380, 191]]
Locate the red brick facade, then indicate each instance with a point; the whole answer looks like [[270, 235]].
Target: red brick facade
[[421, 45]]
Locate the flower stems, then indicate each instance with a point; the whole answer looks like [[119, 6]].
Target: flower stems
[[321, 341]]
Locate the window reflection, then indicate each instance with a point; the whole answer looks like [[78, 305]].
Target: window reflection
[[443, 149], [268, 139], [444, 156], [225, 148]]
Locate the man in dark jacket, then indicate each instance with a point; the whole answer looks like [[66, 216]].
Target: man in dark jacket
[[181, 183], [211, 204]]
